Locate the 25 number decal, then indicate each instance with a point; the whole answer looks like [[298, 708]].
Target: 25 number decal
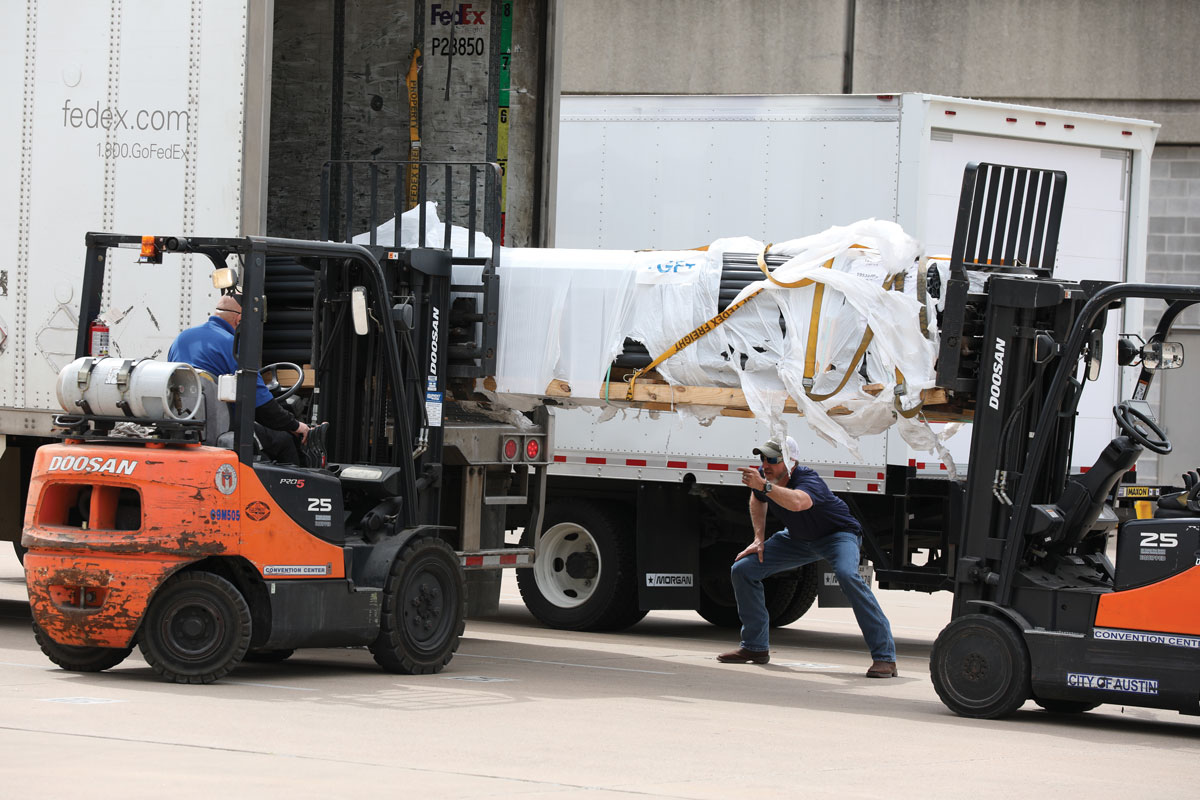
[[457, 46], [1160, 539], [320, 504]]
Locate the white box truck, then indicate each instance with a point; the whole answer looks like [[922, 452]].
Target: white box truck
[[151, 117], [641, 496]]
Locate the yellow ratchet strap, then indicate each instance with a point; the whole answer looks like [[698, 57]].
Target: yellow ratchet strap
[[412, 187], [696, 335], [868, 335]]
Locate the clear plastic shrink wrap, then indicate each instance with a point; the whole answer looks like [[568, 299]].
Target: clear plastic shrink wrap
[[565, 314]]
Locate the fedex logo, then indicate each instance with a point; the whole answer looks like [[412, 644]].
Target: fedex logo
[[463, 15]]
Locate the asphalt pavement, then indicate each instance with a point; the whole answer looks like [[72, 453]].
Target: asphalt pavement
[[525, 711]]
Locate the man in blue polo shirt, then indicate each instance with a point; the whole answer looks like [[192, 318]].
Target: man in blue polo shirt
[[818, 526], [210, 347]]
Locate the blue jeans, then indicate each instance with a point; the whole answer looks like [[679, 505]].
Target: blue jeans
[[782, 553]]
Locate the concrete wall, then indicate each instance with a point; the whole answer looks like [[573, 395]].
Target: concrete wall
[[1173, 244], [703, 46], [1108, 56]]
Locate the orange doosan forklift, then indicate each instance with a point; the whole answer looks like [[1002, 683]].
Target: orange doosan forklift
[[158, 522], [1041, 609]]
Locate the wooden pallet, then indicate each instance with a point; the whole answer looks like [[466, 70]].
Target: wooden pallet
[[651, 392]]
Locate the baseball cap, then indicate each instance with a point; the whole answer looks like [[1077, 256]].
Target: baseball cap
[[771, 450]]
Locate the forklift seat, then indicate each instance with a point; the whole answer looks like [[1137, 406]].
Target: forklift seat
[[217, 431], [1085, 496]]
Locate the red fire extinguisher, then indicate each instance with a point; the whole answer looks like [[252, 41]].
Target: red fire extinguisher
[[98, 337]]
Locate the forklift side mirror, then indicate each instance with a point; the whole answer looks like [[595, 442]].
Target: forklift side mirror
[[1095, 354], [358, 309], [1162, 355]]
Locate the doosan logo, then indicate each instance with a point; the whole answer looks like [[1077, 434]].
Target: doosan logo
[[110, 466], [433, 347], [997, 375]]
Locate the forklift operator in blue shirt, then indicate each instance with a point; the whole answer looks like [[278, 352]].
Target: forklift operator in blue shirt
[[210, 347]]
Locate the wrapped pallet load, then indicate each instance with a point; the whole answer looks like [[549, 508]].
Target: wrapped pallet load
[[836, 326]]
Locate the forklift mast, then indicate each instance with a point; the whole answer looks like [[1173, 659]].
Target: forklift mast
[[1020, 347], [999, 342], [447, 329]]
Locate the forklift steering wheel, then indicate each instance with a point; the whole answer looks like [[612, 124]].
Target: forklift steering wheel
[[273, 384], [1137, 425]]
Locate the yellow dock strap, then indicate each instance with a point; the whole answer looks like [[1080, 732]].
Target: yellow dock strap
[[696, 335], [412, 184]]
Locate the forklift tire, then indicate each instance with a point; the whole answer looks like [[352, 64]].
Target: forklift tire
[[1057, 706], [197, 628], [584, 576], [20, 551], [79, 659], [980, 667], [424, 609]]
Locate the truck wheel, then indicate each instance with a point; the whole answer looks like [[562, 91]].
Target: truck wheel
[[717, 603], [424, 612], [980, 667], [79, 659], [584, 576], [1057, 706], [719, 607], [197, 629], [802, 597]]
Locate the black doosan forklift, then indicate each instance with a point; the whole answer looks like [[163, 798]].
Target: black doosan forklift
[[1041, 609]]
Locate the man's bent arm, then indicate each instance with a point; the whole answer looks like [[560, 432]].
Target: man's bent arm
[[272, 414], [791, 499], [758, 518]]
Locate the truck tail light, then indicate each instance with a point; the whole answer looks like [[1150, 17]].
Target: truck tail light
[[533, 449], [511, 449]]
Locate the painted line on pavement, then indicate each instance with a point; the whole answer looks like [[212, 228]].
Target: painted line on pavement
[[26, 666], [566, 664], [270, 686]]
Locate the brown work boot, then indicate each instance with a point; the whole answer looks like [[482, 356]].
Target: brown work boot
[[882, 669], [744, 656]]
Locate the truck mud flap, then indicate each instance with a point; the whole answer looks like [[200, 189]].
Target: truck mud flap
[[829, 591], [668, 552]]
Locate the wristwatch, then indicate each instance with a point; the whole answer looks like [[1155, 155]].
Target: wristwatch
[[767, 487]]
